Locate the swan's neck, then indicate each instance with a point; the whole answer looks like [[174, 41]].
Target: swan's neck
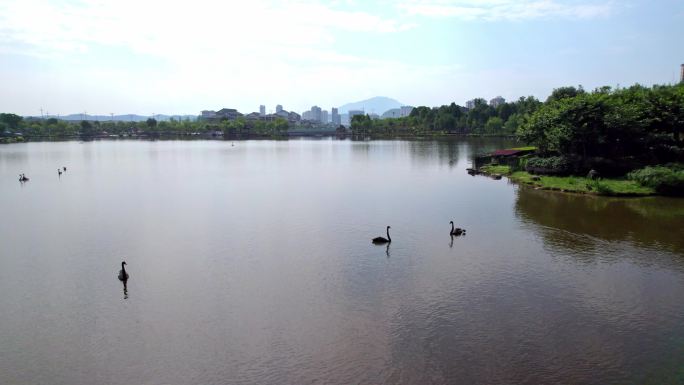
[[388, 237], [123, 269], [452, 227]]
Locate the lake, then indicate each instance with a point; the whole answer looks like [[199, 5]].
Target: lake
[[252, 264]]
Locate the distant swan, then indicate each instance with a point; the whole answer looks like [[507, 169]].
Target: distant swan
[[456, 231], [380, 240], [23, 178], [123, 276]]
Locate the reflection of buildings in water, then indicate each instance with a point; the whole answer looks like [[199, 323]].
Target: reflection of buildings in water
[[582, 223]]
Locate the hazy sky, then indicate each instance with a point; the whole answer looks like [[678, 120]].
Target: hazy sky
[[137, 56]]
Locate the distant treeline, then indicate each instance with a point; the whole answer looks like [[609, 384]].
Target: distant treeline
[[645, 110], [14, 127], [482, 119]]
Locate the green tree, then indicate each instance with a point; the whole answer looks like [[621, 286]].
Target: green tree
[[11, 120], [280, 126], [151, 123], [87, 128], [361, 124], [494, 125], [565, 92]]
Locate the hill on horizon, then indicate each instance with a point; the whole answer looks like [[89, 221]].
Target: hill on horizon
[[378, 105]]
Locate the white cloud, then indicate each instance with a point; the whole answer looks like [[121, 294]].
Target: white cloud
[[180, 56], [156, 27], [494, 10]]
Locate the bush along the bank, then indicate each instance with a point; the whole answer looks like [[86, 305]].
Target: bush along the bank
[[554, 165], [666, 180], [612, 131]]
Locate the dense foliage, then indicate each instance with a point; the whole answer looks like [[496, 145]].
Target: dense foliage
[[553, 165], [667, 179], [16, 126], [481, 119], [613, 130]]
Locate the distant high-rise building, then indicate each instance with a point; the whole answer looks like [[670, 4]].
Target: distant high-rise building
[[306, 115], [279, 108], [336, 120], [262, 110], [681, 76], [316, 113], [324, 116], [497, 101]]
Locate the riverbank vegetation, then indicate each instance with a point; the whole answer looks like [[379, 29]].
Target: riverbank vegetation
[[611, 131], [627, 141], [574, 184], [15, 128], [481, 119]]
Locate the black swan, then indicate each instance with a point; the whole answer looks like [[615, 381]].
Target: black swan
[[379, 240], [456, 231], [123, 276]]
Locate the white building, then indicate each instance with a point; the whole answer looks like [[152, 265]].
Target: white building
[[316, 113], [208, 114], [324, 116], [279, 108], [401, 112], [336, 120], [262, 110]]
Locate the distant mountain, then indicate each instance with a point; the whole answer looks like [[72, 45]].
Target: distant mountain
[[122, 118], [378, 105]]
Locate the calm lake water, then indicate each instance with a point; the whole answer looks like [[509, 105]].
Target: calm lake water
[[252, 264]]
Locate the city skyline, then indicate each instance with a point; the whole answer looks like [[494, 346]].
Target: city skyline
[[72, 56]]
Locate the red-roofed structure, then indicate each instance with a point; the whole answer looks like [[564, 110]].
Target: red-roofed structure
[[509, 152]]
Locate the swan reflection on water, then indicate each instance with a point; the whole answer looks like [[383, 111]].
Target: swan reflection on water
[[125, 289]]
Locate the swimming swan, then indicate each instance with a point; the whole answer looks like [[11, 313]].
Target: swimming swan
[[380, 240]]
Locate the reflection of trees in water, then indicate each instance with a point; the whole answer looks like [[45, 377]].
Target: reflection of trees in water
[[446, 150], [582, 224]]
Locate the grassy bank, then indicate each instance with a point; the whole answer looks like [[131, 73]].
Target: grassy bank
[[574, 184]]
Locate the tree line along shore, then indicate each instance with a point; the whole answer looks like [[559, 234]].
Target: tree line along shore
[[625, 142], [630, 134]]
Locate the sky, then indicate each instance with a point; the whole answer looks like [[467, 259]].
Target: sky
[[181, 57]]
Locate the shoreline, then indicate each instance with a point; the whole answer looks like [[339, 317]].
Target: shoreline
[[570, 184], [297, 134]]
